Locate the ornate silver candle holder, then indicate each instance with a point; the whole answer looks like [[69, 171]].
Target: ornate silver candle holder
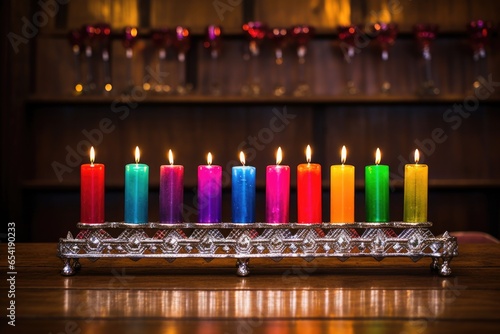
[[257, 240]]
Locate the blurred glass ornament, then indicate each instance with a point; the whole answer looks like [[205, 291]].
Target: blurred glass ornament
[[160, 82], [255, 33], [88, 38], [348, 35], [301, 35], [213, 43], [75, 39], [425, 34], [102, 33], [386, 34], [280, 38], [182, 43], [129, 38], [479, 32]]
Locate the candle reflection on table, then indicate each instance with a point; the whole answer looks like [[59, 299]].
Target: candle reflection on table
[[257, 304]]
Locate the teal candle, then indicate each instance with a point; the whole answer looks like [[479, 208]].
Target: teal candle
[[377, 191], [136, 191]]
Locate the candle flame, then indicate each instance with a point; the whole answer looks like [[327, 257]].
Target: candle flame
[[417, 156], [279, 156], [137, 154], [209, 158], [242, 158], [170, 157], [343, 155], [308, 154], [378, 156], [92, 155]]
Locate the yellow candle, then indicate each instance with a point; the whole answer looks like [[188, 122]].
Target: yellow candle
[[415, 192], [342, 192]]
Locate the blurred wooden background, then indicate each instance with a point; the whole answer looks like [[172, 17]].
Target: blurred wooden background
[[42, 120]]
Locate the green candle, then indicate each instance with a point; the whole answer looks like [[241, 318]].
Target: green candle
[[136, 191], [415, 192], [377, 191]]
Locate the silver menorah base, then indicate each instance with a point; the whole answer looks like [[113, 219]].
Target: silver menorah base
[[257, 240]]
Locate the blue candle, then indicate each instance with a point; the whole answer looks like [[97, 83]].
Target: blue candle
[[243, 192], [136, 191]]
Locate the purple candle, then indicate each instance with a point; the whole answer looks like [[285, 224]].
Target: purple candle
[[277, 191], [209, 192], [171, 191]]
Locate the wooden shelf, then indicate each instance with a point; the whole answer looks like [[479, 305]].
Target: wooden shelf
[[38, 100]]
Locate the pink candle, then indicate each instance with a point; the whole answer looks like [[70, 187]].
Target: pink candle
[[92, 192], [277, 191], [171, 191], [209, 192]]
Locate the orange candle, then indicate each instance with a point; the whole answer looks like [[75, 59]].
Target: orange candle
[[342, 191]]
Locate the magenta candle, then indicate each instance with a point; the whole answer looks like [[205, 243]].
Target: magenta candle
[[171, 191], [209, 192], [277, 192]]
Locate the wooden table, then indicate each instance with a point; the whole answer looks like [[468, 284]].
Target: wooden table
[[292, 296]]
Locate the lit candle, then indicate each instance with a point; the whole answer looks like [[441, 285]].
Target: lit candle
[[171, 191], [377, 191], [243, 192], [309, 191], [136, 191], [342, 191], [277, 191], [415, 191], [209, 192], [92, 191]]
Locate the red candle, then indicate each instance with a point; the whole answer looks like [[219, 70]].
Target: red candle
[[92, 192], [309, 191]]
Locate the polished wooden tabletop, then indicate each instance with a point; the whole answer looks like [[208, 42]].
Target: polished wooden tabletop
[[395, 295]]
